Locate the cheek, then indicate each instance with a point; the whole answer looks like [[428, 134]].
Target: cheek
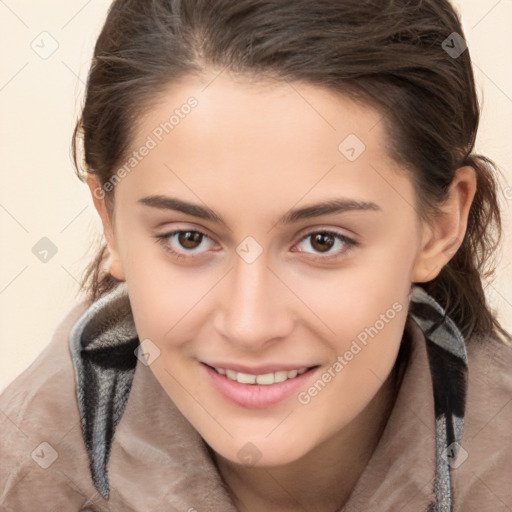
[[161, 291], [344, 303], [363, 311], [366, 324], [364, 350], [166, 306]]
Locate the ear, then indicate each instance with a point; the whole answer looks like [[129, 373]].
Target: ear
[[443, 236], [98, 197]]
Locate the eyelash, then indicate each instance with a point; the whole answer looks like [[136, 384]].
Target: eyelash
[[348, 242]]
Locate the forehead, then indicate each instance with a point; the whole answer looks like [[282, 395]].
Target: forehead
[[271, 110], [220, 132]]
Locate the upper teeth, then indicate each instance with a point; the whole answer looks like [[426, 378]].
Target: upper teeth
[[265, 378]]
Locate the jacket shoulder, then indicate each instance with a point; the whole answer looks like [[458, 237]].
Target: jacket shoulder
[[483, 468], [42, 450]]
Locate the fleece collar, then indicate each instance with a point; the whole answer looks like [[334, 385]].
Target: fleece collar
[[104, 347]]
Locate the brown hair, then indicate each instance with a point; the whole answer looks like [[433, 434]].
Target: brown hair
[[385, 53]]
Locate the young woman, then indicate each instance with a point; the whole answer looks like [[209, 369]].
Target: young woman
[[289, 311]]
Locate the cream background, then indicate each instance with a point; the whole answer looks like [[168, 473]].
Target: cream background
[[40, 196]]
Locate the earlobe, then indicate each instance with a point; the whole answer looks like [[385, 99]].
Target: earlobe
[[445, 233], [98, 196], [432, 259]]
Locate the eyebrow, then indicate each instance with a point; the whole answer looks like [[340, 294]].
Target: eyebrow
[[307, 212]]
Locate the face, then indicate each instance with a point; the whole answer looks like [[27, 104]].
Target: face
[[265, 230]]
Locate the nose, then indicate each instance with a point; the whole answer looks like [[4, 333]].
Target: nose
[[256, 306]]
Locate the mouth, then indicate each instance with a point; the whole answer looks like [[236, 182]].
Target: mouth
[[258, 390], [265, 379]]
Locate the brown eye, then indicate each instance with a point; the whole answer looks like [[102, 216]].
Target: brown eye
[[326, 244], [185, 243], [190, 239], [322, 241]]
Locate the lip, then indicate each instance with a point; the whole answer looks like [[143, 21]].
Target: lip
[[256, 370], [256, 396]]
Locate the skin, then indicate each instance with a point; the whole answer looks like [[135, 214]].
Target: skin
[[251, 152]]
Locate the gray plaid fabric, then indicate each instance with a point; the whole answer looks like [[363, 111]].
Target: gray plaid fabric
[[448, 366], [103, 347]]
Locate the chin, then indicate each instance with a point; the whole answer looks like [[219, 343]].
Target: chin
[[260, 453]]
